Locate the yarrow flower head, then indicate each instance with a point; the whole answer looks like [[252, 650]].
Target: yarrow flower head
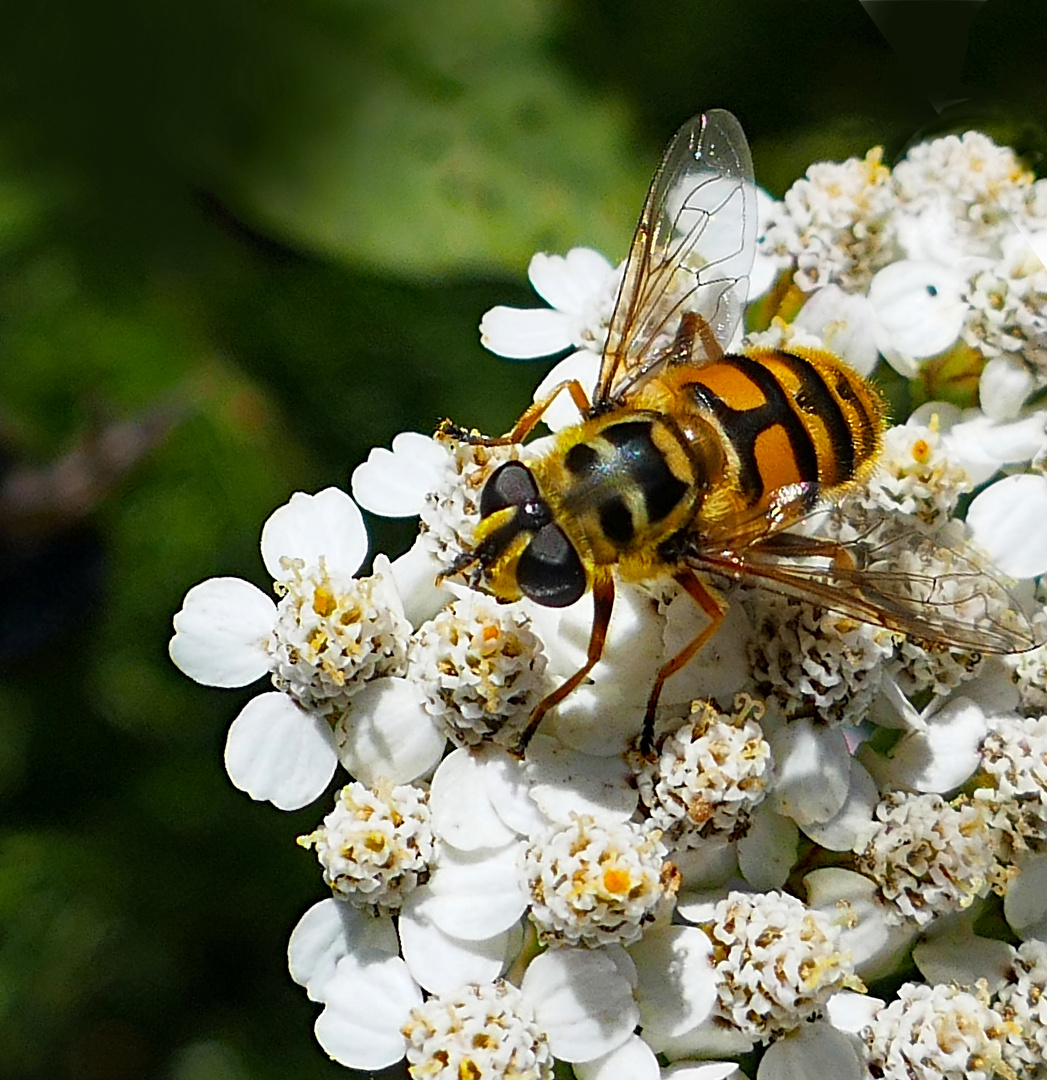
[[915, 476], [937, 1033], [480, 1031], [1014, 760], [1022, 1002], [817, 661], [967, 183], [333, 634], [709, 775], [329, 635], [835, 223], [777, 962], [929, 857], [480, 667], [450, 510], [595, 883], [376, 846], [1029, 671]]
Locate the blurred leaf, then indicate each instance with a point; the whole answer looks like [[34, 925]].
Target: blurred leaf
[[442, 137]]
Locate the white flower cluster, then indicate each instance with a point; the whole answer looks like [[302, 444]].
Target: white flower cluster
[[945, 249], [594, 883], [778, 961], [480, 667], [937, 1033], [828, 800], [376, 846], [1014, 759], [817, 660], [916, 477], [332, 636], [835, 223], [930, 857], [482, 1031], [1022, 1002], [709, 775]]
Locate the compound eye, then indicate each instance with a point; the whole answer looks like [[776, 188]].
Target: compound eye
[[549, 570], [510, 484]]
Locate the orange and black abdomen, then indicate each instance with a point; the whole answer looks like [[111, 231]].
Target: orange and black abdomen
[[788, 417]]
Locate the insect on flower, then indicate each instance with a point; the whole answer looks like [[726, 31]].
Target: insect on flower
[[690, 461]]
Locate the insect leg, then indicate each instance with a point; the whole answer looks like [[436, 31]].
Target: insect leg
[[794, 546], [530, 416], [693, 326], [716, 611], [534, 412], [603, 603]]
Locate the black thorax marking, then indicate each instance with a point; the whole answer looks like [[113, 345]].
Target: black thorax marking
[[634, 463]]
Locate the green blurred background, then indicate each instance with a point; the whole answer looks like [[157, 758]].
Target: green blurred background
[[241, 243]]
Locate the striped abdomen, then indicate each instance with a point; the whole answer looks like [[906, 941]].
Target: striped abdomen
[[786, 418]]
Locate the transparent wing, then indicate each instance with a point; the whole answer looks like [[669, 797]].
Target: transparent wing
[[691, 253], [889, 576]]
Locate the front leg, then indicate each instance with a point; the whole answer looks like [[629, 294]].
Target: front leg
[[530, 417], [716, 611], [603, 605]]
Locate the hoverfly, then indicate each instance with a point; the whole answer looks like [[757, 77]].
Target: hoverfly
[[691, 461]]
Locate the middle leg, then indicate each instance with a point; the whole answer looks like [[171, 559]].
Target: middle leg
[[688, 580]]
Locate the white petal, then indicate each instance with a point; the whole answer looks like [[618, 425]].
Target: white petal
[[476, 895], [387, 733], [852, 1012], [327, 524], [584, 366], [510, 793], [952, 952], [601, 718], [463, 814], [394, 483], [845, 322], [222, 632], [840, 832], [565, 782], [634, 1059], [940, 757], [526, 333], [1025, 903], [721, 669], [414, 573], [366, 1008], [705, 1070], [1003, 386], [931, 232], [763, 275], [710, 865], [707, 1040], [851, 901], [941, 414], [813, 771], [813, 1052], [329, 931], [440, 963], [768, 850], [582, 1001], [677, 982], [1009, 520], [980, 446], [570, 283], [277, 751], [919, 309]]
